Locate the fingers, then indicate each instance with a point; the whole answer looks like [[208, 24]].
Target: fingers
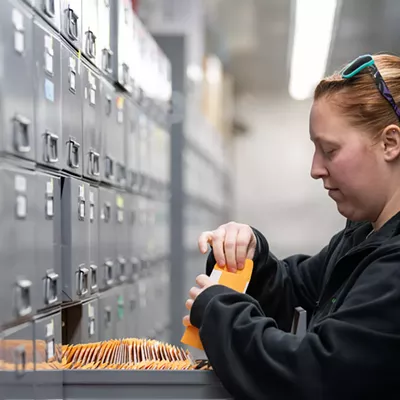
[[186, 320], [218, 239], [194, 292], [232, 243], [204, 239], [242, 244], [203, 280], [189, 304], [230, 246]]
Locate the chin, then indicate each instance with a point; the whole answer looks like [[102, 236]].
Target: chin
[[351, 213]]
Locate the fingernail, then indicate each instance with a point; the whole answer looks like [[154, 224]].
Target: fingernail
[[240, 265]]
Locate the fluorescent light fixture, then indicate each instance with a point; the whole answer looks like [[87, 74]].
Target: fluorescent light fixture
[[313, 31], [213, 70], [194, 72]]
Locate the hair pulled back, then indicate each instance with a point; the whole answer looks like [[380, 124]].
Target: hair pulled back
[[358, 98]]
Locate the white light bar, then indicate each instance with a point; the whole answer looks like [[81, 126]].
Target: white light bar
[[313, 31]]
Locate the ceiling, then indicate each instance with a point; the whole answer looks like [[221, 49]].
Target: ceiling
[[253, 37]]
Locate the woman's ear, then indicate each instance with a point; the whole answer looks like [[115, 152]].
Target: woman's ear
[[391, 142]]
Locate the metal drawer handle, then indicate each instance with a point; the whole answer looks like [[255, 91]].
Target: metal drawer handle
[[94, 158], [49, 8], [21, 134], [73, 153], [108, 315], [93, 276], [92, 326], [135, 268], [106, 212], [72, 24], [109, 279], [23, 297], [51, 285], [107, 60], [122, 269], [125, 74], [20, 359], [90, 44], [51, 147], [121, 173], [82, 284], [109, 167]]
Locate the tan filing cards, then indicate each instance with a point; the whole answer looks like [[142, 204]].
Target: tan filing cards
[[238, 281]]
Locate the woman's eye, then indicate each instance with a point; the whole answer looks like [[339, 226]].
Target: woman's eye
[[329, 152]]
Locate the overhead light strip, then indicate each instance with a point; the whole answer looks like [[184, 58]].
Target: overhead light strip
[[314, 25]]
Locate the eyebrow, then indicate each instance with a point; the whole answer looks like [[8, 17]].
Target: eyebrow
[[324, 141]]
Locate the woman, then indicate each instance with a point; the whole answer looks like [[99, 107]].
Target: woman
[[350, 290]]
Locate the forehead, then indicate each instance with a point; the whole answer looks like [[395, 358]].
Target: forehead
[[326, 123]]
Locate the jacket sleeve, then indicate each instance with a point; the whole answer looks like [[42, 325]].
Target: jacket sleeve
[[281, 285], [349, 354]]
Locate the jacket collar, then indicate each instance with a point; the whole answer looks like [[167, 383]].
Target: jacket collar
[[388, 230]]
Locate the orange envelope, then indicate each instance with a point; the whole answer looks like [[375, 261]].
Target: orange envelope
[[238, 281]]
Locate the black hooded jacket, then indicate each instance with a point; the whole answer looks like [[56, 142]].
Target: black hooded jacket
[[351, 292]]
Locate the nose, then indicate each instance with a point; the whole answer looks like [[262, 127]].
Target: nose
[[318, 169]]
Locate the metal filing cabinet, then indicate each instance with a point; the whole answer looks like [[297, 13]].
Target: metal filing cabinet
[[119, 141], [121, 235], [89, 322], [17, 378], [47, 335], [108, 126], [80, 322], [120, 311], [47, 63], [152, 247], [91, 123], [112, 319], [47, 284], [144, 152], [107, 316], [142, 226], [144, 385], [121, 41], [104, 54], [107, 241], [133, 235], [94, 252], [71, 22], [48, 352], [158, 231], [71, 86], [75, 238], [50, 11], [144, 313], [17, 243], [132, 147], [90, 29], [164, 294], [131, 309], [16, 90]]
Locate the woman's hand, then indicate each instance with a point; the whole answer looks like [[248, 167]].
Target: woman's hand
[[204, 282], [232, 244]]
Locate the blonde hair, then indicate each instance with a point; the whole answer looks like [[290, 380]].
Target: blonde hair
[[359, 99]]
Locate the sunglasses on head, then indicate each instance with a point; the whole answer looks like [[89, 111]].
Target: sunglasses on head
[[366, 61]]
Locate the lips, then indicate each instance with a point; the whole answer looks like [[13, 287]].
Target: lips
[[334, 194]]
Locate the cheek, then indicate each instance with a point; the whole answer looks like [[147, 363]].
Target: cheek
[[354, 170]]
